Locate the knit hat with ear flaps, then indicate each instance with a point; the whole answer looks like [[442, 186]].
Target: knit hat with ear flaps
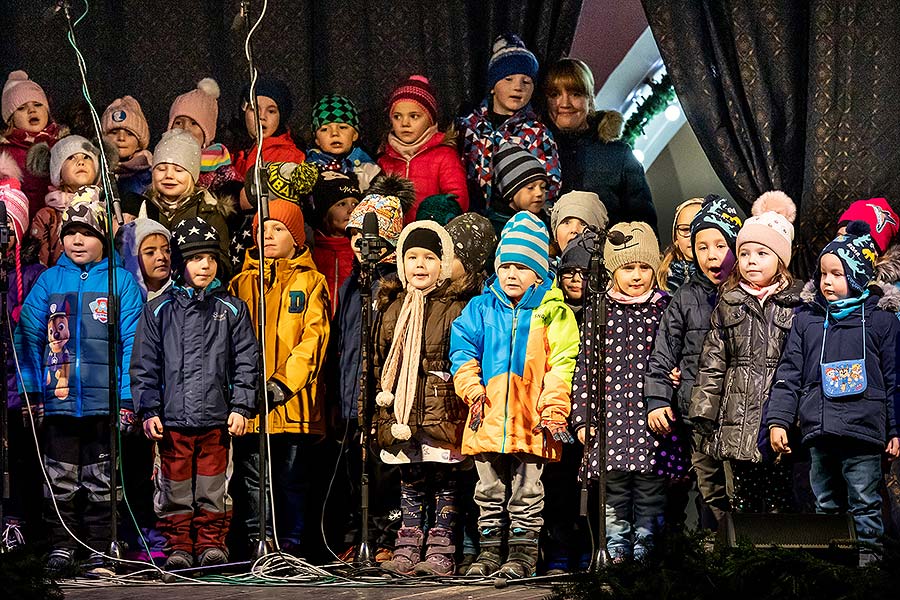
[[857, 252], [510, 57], [581, 205], [883, 221], [425, 234], [389, 197], [718, 213], [67, 147], [525, 241], [178, 147], [474, 240], [640, 245], [125, 113], [200, 104], [18, 90], [770, 229]]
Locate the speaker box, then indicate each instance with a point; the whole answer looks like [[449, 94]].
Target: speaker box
[[831, 537]]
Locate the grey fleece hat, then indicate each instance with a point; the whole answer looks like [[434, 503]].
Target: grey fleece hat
[[582, 205], [178, 147], [70, 146]]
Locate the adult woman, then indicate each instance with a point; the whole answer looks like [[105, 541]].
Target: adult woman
[[591, 154]]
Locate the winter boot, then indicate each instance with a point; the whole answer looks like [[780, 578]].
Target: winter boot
[[439, 554], [212, 557], [488, 560], [523, 555], [60, 562], [178, 560], [407, 552]]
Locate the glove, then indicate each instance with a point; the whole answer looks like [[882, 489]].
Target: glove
[[275, 394], [558, 430], [705, 427], [37, 411], [127, 421], [477, 410]]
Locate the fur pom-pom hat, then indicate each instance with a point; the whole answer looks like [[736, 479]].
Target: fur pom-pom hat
[[200, 104], [775, 201]]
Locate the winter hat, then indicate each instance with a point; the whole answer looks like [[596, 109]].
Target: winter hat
[[18, 90], [856, 251], [582, 205], [771, 229], [776, 201], [431, 236], [577, 253], [718, 213], [640, 245], [11, 194], [525, 241], [474, 240], [178, 147], [439, 207], [128, 243], [275, 89], [335, 109], [418, 90], [883, 221], [200, 104], [389, 198], [288, 181], [332, 187], [125, 113], [510, 57], [88, 211], [288, 213], [514, 168], [191, 237], [70, 146]]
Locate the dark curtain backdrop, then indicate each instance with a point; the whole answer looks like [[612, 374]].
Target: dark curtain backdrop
[[155, 50], [798, 96]]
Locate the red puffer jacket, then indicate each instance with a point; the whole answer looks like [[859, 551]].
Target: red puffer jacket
[[435, 169], [276, 148], [334, 259]]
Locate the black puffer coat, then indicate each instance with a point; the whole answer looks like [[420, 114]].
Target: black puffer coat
[[740, 355]]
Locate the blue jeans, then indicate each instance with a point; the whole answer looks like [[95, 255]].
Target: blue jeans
[[635, 505], [845, 476]]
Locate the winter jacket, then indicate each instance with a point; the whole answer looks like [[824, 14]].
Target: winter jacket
[[30, 269], [297, 332], [740, 355], [45, 228], [523, 357], [434, 169], [797, 391], [276, 148], [597, 160], [630, 446], [17, 143], [680, 270], [135, 175], [334, 259], [438, 412], [357, 161], [195, 358], [70, 374], [678, 344], [480, 139]]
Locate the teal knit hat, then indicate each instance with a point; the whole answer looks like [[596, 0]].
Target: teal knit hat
[[525, 241], [335, 109]]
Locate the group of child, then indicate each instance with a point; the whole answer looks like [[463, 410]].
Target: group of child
[[708, 358]]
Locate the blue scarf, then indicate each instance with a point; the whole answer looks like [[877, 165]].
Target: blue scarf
[[345, 163], [845, 306]]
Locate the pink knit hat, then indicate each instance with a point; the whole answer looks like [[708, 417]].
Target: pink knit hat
[[418, 90], [18, 90], [772, 230], [200, 104], [125, 113]]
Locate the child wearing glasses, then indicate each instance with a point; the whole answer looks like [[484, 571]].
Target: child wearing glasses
[[677, 265]]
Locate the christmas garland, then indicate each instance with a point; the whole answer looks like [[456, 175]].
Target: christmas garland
[[661, 95]]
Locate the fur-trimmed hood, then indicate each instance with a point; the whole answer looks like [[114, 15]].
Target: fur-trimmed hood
[[457, 289], [224, 205], [888, 295], [888, 268], [608, 124]]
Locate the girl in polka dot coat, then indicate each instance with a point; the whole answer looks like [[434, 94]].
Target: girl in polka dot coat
[[638, 462]]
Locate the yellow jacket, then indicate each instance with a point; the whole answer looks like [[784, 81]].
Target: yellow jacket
[[297, 329]]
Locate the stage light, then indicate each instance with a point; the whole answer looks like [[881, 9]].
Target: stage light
[[638, 154], [673, 112]]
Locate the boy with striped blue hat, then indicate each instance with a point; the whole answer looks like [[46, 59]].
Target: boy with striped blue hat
[[512, 353]]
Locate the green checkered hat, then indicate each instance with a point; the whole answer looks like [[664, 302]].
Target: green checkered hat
[[335, 109]]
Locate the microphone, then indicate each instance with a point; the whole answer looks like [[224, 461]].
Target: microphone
[[4, 226], [51, 11], [370, 225], [371, 244]]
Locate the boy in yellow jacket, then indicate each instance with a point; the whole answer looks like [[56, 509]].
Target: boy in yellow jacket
[[297, 330]]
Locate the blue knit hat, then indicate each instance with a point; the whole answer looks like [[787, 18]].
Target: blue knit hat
[[510, 57], [857, 252], [525, 241], [718, 213]]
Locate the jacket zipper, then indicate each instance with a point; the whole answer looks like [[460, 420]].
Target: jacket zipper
[[512, 346], [79, 397]]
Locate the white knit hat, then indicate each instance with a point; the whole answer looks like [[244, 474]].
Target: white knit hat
[[772, 230]]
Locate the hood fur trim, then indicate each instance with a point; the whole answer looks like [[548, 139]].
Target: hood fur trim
[[37, 161], [808, 293], [890, 297], [9, 168], [447, 254], [610, 124], [888, 268]]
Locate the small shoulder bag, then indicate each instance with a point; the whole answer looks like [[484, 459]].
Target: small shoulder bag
[[844, 377]]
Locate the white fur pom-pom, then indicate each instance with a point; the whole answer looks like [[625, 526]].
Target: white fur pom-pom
[[208, 86], [401, 432], [384, 399]]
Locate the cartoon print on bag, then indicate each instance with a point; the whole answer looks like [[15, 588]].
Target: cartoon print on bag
[[58, 361]]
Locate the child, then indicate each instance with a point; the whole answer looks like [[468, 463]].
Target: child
[[275, 105], [572, 214], [21, 512], [520, 183], [146, 252], [747, 332], [678, 265], [518, 406], [847, 421], [505, 115], [878, 214], [673, 364], [176, 194], [27, 121], [125, 126], [336, 128], [191, 412], [440, 208], [196, 112], [297, 331], [416, 149], [419, 422], [74, 164], [61, 342], [335, 195], [638, 463]]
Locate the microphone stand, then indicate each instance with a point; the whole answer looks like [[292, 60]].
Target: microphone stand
[[5, 332]]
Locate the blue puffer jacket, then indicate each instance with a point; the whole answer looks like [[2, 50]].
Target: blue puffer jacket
[[62, 340], [195, 358], [797, 391]]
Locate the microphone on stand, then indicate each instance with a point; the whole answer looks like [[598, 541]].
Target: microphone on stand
[[51, 11], [4, 228]]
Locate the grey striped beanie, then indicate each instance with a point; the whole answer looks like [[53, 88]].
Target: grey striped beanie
[[514, 168]]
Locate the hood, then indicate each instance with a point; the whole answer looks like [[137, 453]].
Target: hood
[[447, 253], [884, 296]]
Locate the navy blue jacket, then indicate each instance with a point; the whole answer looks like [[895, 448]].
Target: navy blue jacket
[[195, 358], [797, 391]]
